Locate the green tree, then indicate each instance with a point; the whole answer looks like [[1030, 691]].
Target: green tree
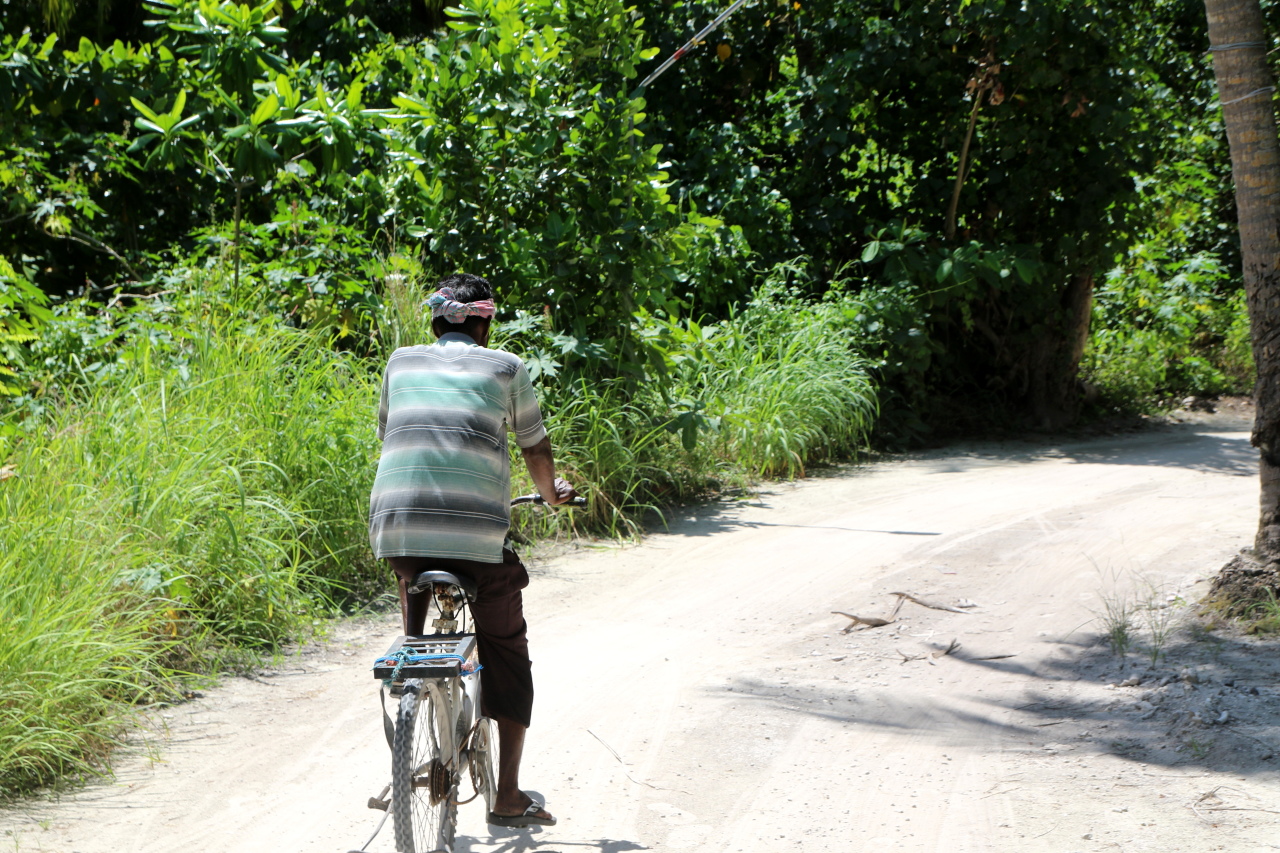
[[989, 129]]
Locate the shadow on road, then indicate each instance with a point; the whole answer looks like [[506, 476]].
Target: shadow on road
[[1176, 446], [1213, 454], [523, 841], [1210, 702], [717, 518], [1172, 447]]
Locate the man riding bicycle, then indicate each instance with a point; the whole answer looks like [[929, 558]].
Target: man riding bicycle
[[440, 500]]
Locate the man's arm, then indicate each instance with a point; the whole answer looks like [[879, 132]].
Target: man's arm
[[383, 406], [542, 467]]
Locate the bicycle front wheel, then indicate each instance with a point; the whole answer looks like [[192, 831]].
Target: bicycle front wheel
[[424, 783]]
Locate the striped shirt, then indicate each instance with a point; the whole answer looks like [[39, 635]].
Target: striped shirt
[[444, 479]]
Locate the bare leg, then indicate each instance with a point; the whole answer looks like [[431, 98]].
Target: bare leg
[[511, 800]]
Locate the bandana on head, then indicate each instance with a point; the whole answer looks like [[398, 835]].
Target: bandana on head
[[444, 304]]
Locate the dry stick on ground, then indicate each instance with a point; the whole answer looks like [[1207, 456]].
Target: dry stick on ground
[[909, 597], [876, 622], [870, 622], [1207, 795]]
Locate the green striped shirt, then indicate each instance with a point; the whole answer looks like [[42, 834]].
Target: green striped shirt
[[444, 479]]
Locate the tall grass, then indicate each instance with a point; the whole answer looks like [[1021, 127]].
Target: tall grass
[[168, 517], [786, 385], [195, 489], [75, 642], [767, 392]]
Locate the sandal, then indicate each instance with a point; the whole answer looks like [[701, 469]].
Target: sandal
[[529, 818]]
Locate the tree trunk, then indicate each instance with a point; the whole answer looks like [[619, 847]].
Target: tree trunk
[[1055, 359], [1239, 44]]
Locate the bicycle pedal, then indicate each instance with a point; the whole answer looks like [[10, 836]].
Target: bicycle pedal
[[445, 624], [379, 802]]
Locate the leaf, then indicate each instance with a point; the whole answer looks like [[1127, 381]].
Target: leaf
[[871, 251], [266, 110], [179, 104], [355, 95], [179, 588], [144, 109], [142, 142], [944, 270], [265, 149], [689, 434], [1026, 270]]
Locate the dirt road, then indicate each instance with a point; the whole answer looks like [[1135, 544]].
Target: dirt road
[[695, 693]]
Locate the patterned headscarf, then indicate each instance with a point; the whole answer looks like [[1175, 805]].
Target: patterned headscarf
[[444, 304]]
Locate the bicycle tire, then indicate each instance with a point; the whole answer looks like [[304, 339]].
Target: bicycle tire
[[424, 789]]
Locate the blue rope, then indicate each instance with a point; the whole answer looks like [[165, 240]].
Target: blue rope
[[405, 655]]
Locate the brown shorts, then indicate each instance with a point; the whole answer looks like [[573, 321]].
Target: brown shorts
[[498, 617]]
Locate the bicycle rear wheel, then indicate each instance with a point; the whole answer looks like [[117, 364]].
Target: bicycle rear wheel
[[423, 785]]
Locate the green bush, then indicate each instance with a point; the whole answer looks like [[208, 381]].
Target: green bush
[[23, 309], [1165, 328]]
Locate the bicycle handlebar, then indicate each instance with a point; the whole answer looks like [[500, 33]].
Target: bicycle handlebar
[[538, 499]]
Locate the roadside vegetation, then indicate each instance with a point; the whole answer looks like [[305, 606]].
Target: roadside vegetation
[[189, 487], [220, 218]]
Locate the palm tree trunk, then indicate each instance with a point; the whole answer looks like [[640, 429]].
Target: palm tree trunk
[[1246, 89]]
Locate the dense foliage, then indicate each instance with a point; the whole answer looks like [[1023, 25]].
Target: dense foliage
[[981, 166]]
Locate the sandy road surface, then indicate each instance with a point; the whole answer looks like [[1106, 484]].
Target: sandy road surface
[[695, 693]]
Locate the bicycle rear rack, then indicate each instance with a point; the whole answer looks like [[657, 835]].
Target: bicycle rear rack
[[461, 645]]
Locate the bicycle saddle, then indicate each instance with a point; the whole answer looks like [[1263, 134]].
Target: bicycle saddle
[[424, 581]]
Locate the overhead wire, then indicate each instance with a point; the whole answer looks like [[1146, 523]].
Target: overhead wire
[[692, 43]]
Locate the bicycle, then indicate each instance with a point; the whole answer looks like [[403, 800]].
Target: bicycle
[[438, 733]]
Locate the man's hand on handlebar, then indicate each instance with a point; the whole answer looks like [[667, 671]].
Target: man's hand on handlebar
[[542, 467], [563, 493]]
